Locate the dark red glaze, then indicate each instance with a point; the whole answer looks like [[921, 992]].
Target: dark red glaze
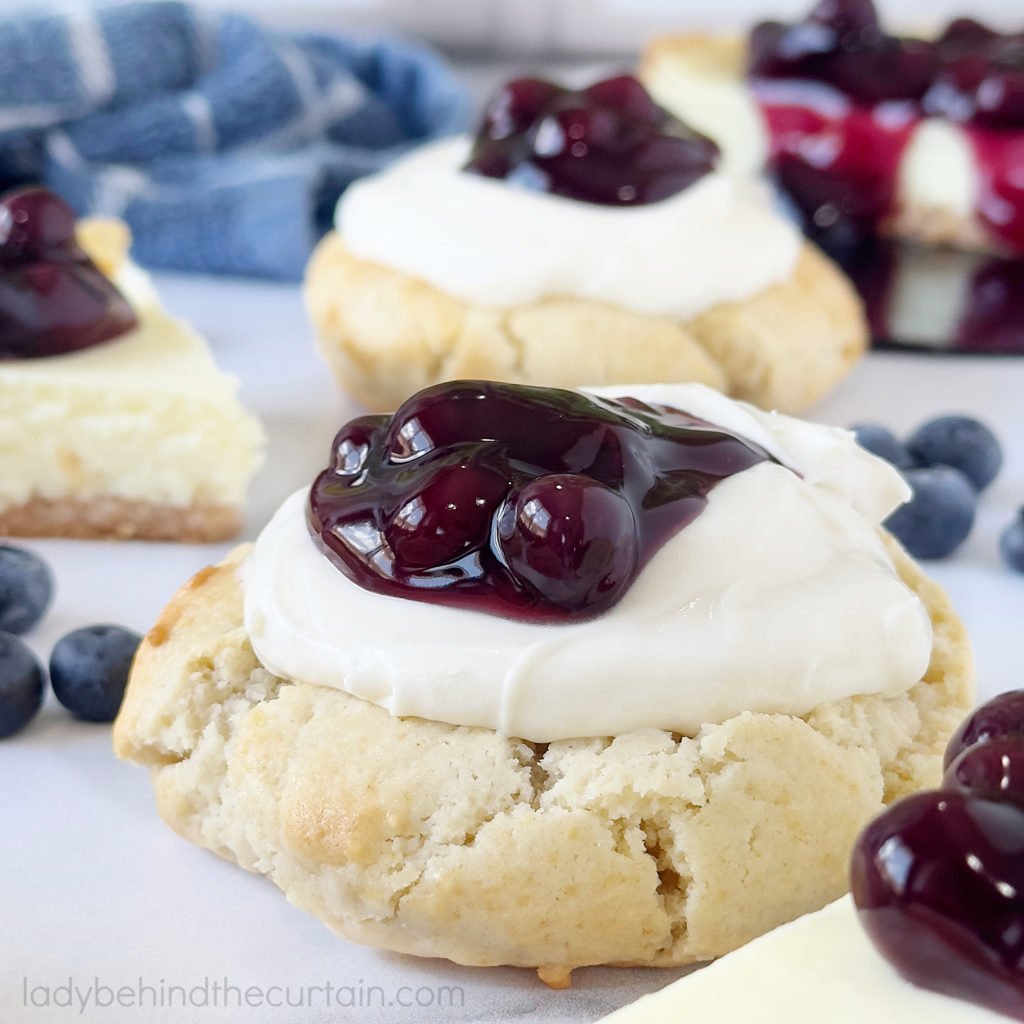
[[53, 298], [938, 881], [992, 771], [1000, 203], [836, 159], [609, 143], [531, 503], [843, 166], [999, 717]]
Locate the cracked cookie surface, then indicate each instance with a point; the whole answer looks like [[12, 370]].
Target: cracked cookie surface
[[386, 335], [440, 840]]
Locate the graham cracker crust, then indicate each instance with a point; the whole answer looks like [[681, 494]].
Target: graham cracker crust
[[107, 517]]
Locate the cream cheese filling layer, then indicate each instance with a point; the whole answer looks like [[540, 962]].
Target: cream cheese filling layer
[[492, 243], [779, 597], [147, 416]]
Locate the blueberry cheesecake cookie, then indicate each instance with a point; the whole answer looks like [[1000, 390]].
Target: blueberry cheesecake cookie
[[868, 132], [556, 678], [583, 237], [114, 420]]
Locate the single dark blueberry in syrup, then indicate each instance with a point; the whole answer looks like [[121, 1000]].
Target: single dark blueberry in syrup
[[999, 717], [609, 143], [938, 880], [533, 503], [991, 771], [53, 298], [352, 444], [571, 538], [33, 223], [448, 517]]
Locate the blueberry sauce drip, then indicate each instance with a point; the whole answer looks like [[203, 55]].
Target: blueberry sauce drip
[[837, 140], [530, 503], [938, 879], [53, 298], [609, 143]]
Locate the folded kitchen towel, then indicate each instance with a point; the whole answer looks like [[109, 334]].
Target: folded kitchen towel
[[222, 143]]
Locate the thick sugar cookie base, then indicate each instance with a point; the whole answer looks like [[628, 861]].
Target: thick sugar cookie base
[[386, 335], [437, 840]]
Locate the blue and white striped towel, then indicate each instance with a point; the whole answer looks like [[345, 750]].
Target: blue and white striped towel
[[223, 144]]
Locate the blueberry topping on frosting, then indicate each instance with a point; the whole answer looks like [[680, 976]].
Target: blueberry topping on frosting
[[53, 298], [609, 143], [938, 879], [534, 503]]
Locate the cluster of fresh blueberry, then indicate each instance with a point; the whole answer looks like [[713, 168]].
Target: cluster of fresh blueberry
[[88, 667], [947, 462], [938, 878], [609, 143], [968, 73], [531, 503]]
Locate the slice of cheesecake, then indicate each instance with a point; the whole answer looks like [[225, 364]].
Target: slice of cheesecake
[[138, 436], [868, 132], [819, 969]]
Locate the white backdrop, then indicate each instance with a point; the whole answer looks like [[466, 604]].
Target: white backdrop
[[588, 25], [565, 26]]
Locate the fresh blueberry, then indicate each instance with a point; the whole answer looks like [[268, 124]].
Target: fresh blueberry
[[21, 684], [960, 442], [1011, 542], [939, 515], [26, 587], [89, 670], [881, 441]]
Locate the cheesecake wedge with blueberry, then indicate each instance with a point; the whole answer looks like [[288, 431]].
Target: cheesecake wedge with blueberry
[[114, 419], [869, 132]]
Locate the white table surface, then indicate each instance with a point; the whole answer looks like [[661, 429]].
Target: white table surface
[[95, 890]]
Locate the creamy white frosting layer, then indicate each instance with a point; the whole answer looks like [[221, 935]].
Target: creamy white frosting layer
[[146, 416], [492, 243], [777, 598], [820, 968]]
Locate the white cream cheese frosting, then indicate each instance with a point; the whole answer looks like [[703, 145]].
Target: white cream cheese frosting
[[820, 968], [492, 243], [778, 597], [146, 416]]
